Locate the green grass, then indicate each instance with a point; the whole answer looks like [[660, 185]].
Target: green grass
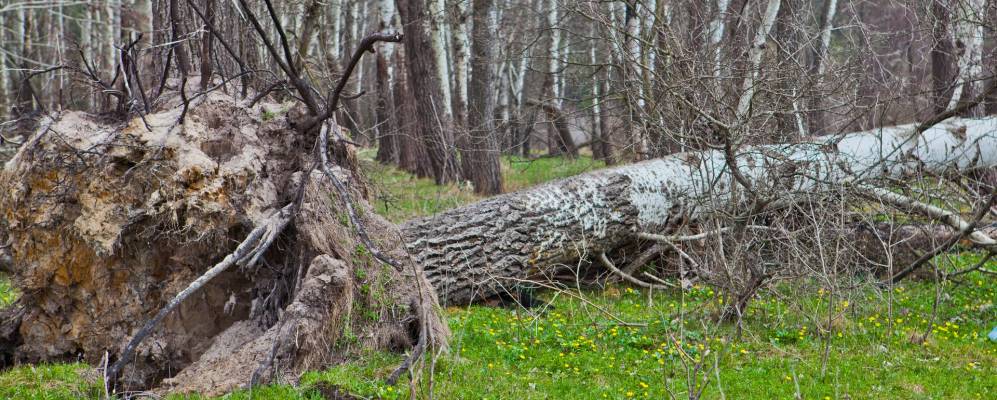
[[50, 382], [578, 349], [399, 196], [575, 351], [8, 293]]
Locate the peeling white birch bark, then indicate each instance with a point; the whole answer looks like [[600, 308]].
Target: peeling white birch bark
[[475, 250]]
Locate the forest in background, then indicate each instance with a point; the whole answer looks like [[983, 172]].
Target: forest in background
[[785, 166]]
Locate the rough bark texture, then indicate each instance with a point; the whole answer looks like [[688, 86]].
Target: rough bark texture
[[432, 108], [480, 160], [483, 249], [941, 55], [96, 258]]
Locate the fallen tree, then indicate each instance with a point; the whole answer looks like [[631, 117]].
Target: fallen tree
[[195, 242], [108, 221], [483, 249]]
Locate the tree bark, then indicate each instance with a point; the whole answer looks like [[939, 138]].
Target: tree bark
[[412, 155], [481, 159], [819, 63], [969, 40], [388, 151], [941, 56], [433, 115], [206, 46], [481, 249]]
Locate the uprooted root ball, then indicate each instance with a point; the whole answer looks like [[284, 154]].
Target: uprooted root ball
[[108, 220]]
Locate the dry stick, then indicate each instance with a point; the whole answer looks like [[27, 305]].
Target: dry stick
[[944, 246], [949, 218], [698, 236], [366, 45], [609, 265], [256, 242], [978, 266], [642, 259]]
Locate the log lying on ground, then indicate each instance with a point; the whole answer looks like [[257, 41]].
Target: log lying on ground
[[482, 249], [108, 221]]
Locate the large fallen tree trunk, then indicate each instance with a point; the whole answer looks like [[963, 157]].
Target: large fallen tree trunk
[[480, 250]]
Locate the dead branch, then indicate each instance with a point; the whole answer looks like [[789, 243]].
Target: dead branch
[[248, 252], [629, 278], [906, 203], [979, 214]]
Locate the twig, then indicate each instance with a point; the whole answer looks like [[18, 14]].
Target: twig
[[949, 218], [978, 266], [984, 209], [609, 265], [698, 236], [366, 45], [348, 202]]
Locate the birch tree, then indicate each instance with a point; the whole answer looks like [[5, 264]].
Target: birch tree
[[755, 59], [533, 233], [969, 40]]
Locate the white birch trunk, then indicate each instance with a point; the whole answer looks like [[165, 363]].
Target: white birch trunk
[[596, 95], [519, 80], [617, 44], [634, 48], [437, 28], [717, 27], [336, 17], [112, 31], [755, 58], [831, 8], [649, 17], [969, 31], [553, 50], [462, 58], [478, 249], [358, 31], [503, 91], [386, 15]]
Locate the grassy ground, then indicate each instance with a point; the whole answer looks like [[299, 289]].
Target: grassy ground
[[399, 196], [622, 343]]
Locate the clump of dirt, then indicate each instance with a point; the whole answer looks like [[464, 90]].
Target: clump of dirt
[[108, 220]]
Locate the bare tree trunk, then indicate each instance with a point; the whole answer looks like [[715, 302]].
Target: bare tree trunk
[[755, 58], [438, 45], [433, 116], [969, 40], [4, 69], [461, 62], [388, 151], [717, 27], [819, 64], [112, 31], [598, 149], [413, 156], [179, 50], [941, 55], [206, 46], [529, 233], [559, 139], [481, 160]]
